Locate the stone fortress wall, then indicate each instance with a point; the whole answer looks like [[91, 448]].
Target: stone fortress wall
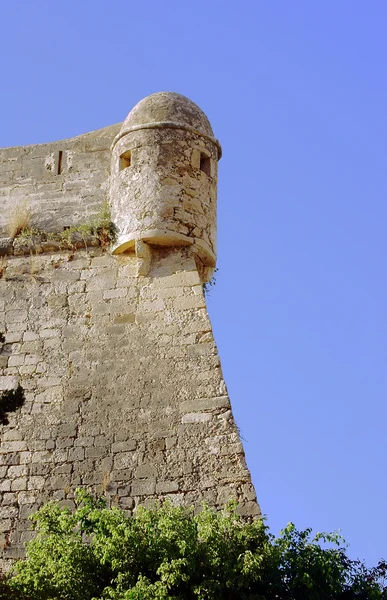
[[123, 387], [64, 183]]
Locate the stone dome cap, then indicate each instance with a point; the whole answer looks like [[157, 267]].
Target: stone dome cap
[[167, 109]]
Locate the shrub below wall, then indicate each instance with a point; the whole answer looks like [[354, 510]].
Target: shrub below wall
[[171, 553]]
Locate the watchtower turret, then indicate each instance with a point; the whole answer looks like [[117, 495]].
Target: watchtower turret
[[163, 183]]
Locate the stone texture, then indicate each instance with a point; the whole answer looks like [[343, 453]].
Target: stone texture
[[124, 393]]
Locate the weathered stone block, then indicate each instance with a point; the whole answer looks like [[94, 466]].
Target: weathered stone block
[[27, 497], [122, 475], [114, 293], [196, 417], [166, 487], [8, 382], [146, 471], [17, 471], [124, 446], [144, 487], [13, 446], [18, 484], [5, 485], [204, 404], [16, 360], [36, 482], [49, 333], [16, 316], [124, 319], [123, 460], [96, 452], [11, 337], [76, 454], [6, 511]]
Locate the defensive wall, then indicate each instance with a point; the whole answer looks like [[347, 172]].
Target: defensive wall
[[110, 343]]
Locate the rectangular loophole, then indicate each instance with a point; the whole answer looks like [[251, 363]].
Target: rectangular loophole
[[60, 157], [125, 160], [205, 164]]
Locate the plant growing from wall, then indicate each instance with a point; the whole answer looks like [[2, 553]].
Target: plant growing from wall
[[19, 219], [10, 401], [101, 226], [95, 553], [207, 287], [3, 267], [104, 226]]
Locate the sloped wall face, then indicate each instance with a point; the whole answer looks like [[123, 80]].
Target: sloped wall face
[[124, 392], [64, 183]]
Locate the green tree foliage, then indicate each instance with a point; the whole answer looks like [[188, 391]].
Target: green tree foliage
[[172, 553]]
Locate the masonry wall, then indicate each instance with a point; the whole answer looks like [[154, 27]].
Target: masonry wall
[[63, 182], [123, 386]]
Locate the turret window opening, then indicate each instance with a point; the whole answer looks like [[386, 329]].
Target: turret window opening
[[60, 157], [125, 160], [205, 164]]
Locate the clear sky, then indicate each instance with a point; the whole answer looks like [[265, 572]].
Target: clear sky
[[297, 94]]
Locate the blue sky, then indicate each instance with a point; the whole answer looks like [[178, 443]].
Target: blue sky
[[296, 93]]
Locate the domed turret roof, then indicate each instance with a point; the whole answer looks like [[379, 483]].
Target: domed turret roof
[[168, 108]]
